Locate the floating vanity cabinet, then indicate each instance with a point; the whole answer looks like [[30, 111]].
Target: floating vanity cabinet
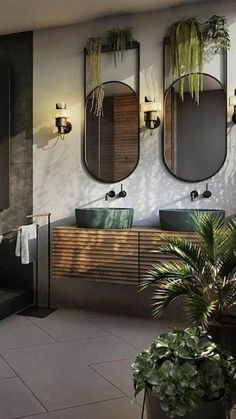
[[96, 255], [121, 256]]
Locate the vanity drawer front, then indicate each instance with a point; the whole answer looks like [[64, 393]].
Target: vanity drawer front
[[98, 255]]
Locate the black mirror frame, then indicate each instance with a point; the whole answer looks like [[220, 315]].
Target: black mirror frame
[[135, 46], [224, 87], [84, 146]]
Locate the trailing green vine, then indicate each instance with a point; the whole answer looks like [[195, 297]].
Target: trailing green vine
[[186, 55], [94, 49], [118, 40], [189, 39]]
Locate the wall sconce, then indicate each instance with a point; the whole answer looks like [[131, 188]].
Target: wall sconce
[[61, 116], [232, 102], [150, 108]]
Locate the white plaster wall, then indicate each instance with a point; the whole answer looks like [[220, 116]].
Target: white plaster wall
[[60, 182]]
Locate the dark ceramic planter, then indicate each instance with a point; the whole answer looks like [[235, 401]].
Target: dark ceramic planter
[[208, 410], [225, 336]]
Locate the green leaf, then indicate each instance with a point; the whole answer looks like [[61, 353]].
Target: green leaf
[[199, 309]]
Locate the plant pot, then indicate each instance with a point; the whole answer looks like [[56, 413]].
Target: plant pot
[[225, 336], [207, 410]]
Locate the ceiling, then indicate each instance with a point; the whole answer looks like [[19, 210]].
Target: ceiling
[[23, 15]]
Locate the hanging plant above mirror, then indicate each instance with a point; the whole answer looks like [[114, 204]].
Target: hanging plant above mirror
[[186, 54], [94, 48], [216, 33], [189, 39], [118, 40]]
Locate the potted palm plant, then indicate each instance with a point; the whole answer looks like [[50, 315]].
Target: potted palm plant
[[185, 374], [204, 274]]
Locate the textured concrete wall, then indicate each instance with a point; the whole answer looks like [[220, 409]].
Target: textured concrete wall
[[16, 51], [60, 181]]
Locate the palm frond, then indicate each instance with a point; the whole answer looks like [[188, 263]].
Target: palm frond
[[212, 236], [165, 271], [183, 250], [226, 295], [204, 272], [229, 256], [199, 309], [227, 264], [231, 230], [170, 290]]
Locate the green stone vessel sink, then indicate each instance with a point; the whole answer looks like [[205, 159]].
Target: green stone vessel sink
[[104, 217], [182, 219]]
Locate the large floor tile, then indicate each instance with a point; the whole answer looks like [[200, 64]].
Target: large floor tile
[[58, 376], [15, 321], [16, 400], [137, 331], [5, 370], [112, 409], [119, 373], [17, 337], [67, 325], [102, 349], [65, 314]]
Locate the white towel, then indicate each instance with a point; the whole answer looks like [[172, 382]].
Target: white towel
[[26, 243], [1, 237]]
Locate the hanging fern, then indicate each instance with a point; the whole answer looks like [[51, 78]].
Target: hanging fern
[[216, 33], [118, 40], [94, 48], [186, 55]]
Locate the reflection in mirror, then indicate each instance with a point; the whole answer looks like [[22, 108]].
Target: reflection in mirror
[[4, 137], [195, 137], [112, 141]]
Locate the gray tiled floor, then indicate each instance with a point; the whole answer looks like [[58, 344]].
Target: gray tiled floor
[[72, 365]]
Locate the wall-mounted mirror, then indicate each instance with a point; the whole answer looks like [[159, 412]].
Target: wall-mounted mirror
[[195, 136], [4, 137], [112, 141]]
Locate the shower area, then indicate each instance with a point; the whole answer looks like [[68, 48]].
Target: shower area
[[16, 103]]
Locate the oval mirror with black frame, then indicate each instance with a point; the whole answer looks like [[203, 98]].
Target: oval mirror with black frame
[[111, 148], [195, 136]]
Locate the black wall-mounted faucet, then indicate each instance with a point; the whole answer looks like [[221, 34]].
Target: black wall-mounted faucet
[[122, 193], [110, 194], [207, 193], [193, 195]]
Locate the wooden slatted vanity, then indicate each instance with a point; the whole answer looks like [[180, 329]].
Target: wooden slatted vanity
[[120, 256]]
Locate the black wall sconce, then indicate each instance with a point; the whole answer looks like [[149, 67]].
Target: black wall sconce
[[232, 102], [61, 115], [150, 108]]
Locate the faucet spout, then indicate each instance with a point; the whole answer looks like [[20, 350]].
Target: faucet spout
[[193, 195], [110, 194]]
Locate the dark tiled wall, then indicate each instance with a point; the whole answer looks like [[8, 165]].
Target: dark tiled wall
[[16, 51]]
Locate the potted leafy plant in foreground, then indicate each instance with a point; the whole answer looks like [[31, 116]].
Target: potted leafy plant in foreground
[[186, 374], [203, 273]]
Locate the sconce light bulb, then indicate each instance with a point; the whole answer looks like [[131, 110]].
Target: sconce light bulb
[[150, 108], [61, 115]]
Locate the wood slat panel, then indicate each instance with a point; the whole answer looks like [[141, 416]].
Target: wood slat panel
[[98, 255], [121, 256]]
